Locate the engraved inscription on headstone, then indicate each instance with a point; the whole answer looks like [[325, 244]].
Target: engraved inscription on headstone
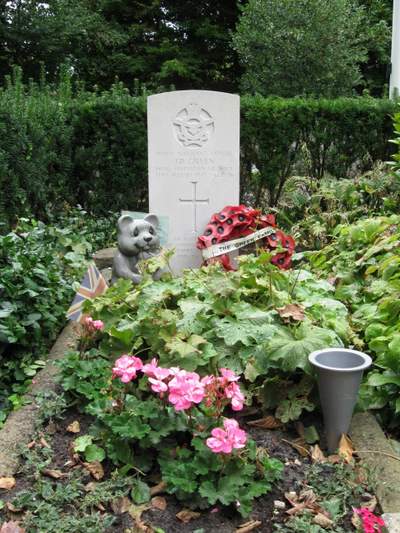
[[193, 164]]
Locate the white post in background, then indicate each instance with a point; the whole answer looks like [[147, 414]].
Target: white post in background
[[395, 72]]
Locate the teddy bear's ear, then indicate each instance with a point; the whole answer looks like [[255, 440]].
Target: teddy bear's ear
[[152, 219], [124, 221]]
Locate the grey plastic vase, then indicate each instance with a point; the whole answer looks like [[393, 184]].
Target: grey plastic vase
[[339, 372]]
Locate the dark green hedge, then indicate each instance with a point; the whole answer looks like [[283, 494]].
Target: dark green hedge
[[92, 150]]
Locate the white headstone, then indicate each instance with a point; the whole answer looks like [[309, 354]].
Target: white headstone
[[193, 164]]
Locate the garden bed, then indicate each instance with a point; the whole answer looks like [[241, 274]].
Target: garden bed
[[55, 491]]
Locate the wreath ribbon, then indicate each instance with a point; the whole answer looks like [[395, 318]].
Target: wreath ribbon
[[226, 247]]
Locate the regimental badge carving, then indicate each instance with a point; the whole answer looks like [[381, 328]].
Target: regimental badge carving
[[193, 126]]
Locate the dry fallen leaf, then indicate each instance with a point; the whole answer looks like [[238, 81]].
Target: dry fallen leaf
[[7, 483], [11, 527], [158, 489], [268, 422], [135, 511], [100, 507], [346, 449], [31, 444], [294, 311], [300, 445], [11, 507], [334, 459], [121, 505], [95, 468], [44, 443], [323, 521], [248, 526], [74, 427], [55, 474], [158, 502], [89, 487], [186, 515], [317, 455]]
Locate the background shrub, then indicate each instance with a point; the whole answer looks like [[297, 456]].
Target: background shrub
[[57, 148]]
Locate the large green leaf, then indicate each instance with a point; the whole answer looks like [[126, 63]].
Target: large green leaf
[[290, 350]]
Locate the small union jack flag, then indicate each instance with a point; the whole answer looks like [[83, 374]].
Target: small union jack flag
[[93, 284]]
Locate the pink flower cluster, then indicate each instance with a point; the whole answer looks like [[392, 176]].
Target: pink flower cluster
[[224, 387], [225, 440], [126, 367], [93, 325], [185, 389], [370, 522]]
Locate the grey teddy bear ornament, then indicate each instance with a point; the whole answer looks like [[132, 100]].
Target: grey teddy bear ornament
[[137, 239]]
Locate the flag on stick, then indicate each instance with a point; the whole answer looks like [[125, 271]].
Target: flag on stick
[[93, 284]]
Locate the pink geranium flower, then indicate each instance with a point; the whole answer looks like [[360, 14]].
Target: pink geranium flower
[[126, 367], [227, 439], [237, 436], [229, 375], [154, 371], [185, 389], [157, 385], [219, 442], [370, 522], [93, 325], [233, 392]]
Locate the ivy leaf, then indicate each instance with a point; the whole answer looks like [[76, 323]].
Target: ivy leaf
[[140, 492]]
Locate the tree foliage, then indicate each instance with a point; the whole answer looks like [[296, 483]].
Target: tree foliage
[[300, 47], [158, 43]]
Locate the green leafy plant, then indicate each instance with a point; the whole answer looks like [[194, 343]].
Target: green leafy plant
[[246, 320], [364, 259], [40, 266], [200, 462]]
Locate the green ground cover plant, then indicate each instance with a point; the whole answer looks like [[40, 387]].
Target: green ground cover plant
[[312, 209], [364, 261], [258, 321], [39, 268]]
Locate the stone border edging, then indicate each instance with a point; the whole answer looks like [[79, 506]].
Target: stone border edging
[[367, 434], [19, 427], [104, 258]]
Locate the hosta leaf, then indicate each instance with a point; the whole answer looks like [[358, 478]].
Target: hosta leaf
[[377, 380]]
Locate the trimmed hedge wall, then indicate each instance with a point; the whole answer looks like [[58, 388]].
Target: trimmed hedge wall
[[92, 150]]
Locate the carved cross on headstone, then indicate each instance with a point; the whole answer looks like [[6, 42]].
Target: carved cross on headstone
[[194, 201]]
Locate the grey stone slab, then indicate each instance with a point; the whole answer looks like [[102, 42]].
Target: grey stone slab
[[392, 521], [193, 164], [376, 452], [104, 258]]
